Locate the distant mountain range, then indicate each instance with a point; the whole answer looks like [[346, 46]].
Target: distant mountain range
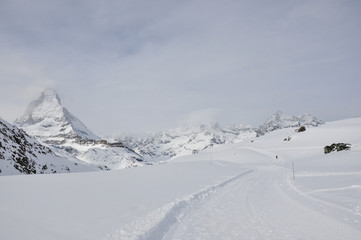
[[280, 120], [49, 139], [185, 140], [192, 139]]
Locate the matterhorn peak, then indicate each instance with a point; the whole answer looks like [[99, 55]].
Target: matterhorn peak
[[50, 94], [48, 105], [46, 117]]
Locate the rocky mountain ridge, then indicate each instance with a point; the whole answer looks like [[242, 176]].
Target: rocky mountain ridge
[[23, 154]]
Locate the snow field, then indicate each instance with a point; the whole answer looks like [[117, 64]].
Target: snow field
[[94, 205], [235, 191]]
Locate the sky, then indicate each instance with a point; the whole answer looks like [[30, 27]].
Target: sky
[[144, 66]]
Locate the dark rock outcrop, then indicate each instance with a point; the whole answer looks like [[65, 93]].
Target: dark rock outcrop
[[337, 147]]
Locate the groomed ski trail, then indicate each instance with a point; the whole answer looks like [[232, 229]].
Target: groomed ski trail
[[260, 205], [257, 204], [158, 223]]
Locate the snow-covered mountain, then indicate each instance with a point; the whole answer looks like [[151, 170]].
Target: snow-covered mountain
[[193, 139], [280, 120], [23, 154], [47, 119], [52, 124]]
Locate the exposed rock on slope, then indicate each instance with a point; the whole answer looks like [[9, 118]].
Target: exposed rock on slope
[[22, 154], [337, 147]]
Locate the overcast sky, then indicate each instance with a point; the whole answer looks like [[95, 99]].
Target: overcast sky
[[143, 66]]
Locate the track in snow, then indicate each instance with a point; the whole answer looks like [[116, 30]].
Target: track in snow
[[259, 206], [158, 223]]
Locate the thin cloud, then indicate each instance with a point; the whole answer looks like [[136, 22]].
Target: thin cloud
[[147, 64]]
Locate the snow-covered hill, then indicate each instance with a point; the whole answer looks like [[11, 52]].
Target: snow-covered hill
[[22, 154], [193, 139], [52, 124]]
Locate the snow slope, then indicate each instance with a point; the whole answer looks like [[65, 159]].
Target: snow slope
[[22, 154], [231, 191]]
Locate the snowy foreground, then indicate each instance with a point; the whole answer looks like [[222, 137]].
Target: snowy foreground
[[235, 191]]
